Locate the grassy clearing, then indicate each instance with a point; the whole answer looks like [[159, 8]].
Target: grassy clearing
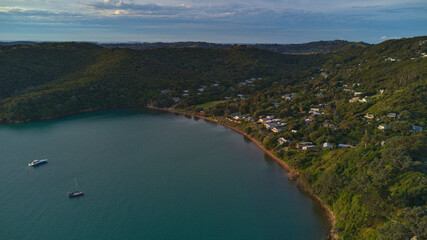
[[210, 104]]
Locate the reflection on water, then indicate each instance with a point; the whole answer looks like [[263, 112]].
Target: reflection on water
[[269, 160], [246, 139]]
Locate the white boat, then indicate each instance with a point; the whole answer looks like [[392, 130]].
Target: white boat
[[37, 162]]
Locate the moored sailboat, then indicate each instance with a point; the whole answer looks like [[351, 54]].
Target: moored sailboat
[[76, 193]]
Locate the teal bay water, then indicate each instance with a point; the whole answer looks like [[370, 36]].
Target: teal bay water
[[146, 175]]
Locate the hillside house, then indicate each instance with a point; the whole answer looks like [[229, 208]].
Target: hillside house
[[370, 116], [365, 100], [309, 119], [416, 128], [271, 125], [391, 115], [283, 140], [250, 119], [355, 99], [309, 147], [345, 146], [237, 116], [314, 110], [383, 127], [302, 144], [265, 120], [277, 129], [327, 145]]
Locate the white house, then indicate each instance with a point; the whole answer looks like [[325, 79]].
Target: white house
[[314, 110], [283, 140], [416, 128], [345, 146], [264, 120], [327, 145]]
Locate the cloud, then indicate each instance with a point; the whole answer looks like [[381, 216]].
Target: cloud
[[236, 20], [385, 37]]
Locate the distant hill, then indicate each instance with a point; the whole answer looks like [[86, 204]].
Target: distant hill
[[303, 48], [17, 43]]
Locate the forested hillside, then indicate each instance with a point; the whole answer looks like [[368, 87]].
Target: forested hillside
[[350, 123], [52, 79], [354, 133]]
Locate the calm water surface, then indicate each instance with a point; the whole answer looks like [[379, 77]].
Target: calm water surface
[[146, 175]]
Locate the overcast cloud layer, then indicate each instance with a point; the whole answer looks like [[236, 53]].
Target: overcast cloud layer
[[250, 21]]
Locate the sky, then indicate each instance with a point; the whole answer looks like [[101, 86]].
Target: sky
[[220, 21]]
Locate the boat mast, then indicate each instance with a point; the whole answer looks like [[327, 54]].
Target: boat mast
[[77, 188]]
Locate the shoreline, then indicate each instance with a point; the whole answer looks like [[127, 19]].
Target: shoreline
[[328, 212]]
